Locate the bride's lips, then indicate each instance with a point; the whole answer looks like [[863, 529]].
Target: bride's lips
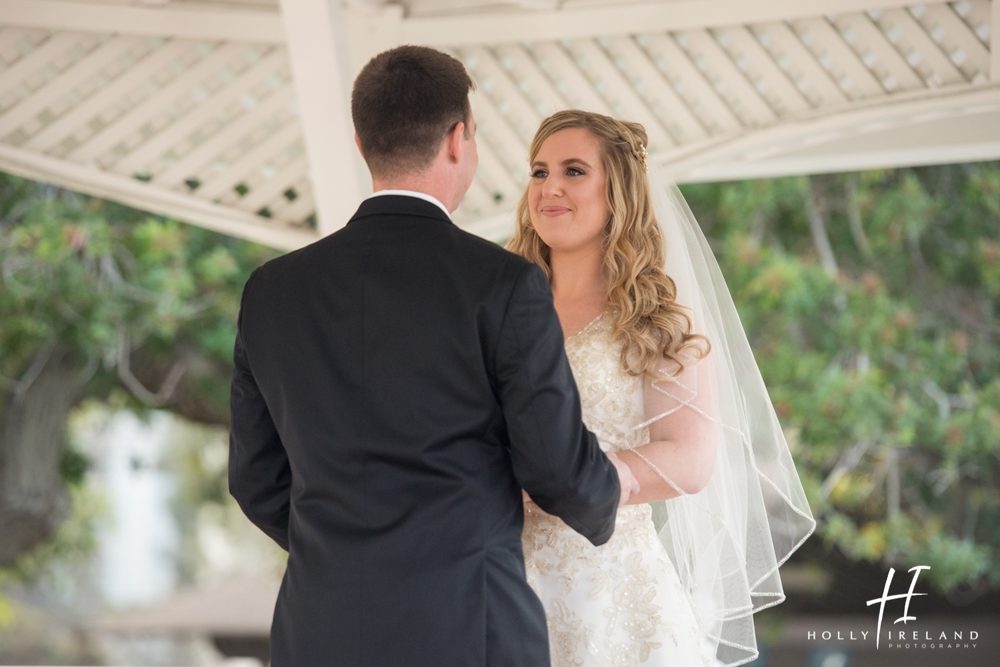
[[553, 210]]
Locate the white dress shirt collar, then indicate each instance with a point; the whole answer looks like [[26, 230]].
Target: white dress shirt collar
[[412, 193]]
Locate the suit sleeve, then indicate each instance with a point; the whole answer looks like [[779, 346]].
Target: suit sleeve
[[556, 459], [259, 473]]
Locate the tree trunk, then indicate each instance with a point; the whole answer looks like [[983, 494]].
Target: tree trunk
[[33, 436], [817, 227]]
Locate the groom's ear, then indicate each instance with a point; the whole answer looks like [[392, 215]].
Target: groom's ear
[[455, 138], [357, 142]]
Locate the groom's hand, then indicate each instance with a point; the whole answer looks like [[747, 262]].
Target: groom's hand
[[627, 480]]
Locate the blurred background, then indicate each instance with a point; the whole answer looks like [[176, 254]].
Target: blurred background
[[840, 157]]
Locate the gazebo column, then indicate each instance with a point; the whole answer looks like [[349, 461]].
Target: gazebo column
[[995, 42], [328, 43]]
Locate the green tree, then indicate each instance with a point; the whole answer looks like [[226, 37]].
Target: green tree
[[871, 300], [101, 302]]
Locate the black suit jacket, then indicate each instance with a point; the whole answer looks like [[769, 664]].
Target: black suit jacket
[[396, 385]]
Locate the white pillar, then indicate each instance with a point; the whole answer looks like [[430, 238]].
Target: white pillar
[[328, 43], [995, 42]]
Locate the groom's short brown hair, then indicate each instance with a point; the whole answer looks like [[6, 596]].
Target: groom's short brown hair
[[404, 102]]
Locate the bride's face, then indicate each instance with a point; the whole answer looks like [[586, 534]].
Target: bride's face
[[567, 194]]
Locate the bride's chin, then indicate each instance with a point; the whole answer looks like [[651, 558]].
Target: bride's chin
[[552, 243], [562, 248], [550, 237]]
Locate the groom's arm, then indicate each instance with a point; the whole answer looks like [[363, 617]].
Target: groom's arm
[[259, 474], [556, 459]]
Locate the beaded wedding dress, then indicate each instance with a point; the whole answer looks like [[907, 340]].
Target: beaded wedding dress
[[620, 604]]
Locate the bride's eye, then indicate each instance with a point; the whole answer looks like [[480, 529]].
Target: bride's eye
[[539, 173], [574, 171]]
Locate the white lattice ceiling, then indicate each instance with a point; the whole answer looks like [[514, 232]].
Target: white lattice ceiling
[[212, 114]]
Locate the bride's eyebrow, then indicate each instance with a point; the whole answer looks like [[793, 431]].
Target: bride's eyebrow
[[565, 163]]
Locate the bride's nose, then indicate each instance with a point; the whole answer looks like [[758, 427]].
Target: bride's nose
[[552, 187]]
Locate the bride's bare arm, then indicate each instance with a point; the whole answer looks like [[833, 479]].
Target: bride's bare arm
[[680, 456]]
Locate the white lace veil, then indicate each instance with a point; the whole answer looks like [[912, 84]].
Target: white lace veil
[[727, 539]]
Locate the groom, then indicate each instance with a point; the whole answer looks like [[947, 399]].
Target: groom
[[397, 384]]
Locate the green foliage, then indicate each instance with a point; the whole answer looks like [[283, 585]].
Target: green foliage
[[133, 310], [882, 365], [115, 284]]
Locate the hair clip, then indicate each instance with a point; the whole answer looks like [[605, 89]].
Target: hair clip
[[641, 154]]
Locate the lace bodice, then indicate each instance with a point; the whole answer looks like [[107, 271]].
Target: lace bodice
[[612, 405], [620, 604], [612, 400]]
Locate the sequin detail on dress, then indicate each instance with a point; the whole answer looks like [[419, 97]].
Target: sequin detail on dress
[[620, 604]]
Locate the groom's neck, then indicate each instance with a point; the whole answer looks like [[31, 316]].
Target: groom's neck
[[424, 183]]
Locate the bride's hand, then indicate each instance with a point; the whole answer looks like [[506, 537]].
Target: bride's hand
[[626, 478]]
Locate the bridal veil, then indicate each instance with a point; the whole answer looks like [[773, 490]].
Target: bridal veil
[[728, 538]]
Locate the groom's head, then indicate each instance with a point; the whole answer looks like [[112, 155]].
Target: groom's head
[[407, 103]]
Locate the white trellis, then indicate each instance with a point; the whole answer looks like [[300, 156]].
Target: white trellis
[[234, 115]]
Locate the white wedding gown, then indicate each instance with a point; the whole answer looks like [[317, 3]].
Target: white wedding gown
[[620, 604]]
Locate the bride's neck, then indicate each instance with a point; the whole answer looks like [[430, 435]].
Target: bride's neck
[[578, 275]]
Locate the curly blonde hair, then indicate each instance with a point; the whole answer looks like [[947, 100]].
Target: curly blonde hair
[[648, 321]]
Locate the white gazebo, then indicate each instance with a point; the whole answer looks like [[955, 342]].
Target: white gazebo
[[234, 114]]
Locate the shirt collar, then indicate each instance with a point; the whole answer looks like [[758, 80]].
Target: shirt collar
[[413, 193]]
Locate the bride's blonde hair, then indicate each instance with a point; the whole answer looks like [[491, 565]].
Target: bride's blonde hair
[[648, 321]]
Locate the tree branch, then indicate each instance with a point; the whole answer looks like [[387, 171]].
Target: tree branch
[[109, 270], [892, 493], [847, 462], [939, 397], [133, 384], [20, 386], [854, 216], [817, 226]]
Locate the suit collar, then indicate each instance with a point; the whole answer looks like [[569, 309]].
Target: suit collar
[[393, 205], [412, 193]]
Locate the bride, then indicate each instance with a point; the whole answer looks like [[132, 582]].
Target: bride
[[668, 382]]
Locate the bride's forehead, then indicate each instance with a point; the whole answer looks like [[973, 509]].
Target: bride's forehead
[[573, 140]]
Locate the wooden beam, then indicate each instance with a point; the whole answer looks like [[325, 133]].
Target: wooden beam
[[730, 84], [211, 22], [958, 34], [167, 97], [34, 63], [200, 159], [790, 54], [154, 199], [682, 124], [325, 55], [804, 145], [245, 168], [499, 27], [148, 155], [995, 42], [847, 68], [85, 111], [700, 96], [624, 100], [934, 64], [61, 86]]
